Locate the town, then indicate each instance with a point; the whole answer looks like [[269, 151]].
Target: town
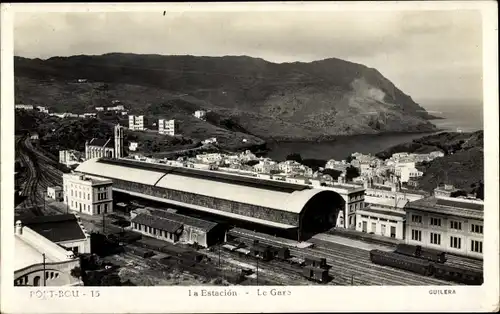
[[115, 212]]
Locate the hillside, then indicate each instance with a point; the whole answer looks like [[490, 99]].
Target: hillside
[[306, 101], [462, 165]]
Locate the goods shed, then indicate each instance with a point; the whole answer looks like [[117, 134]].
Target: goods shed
[[299, 210]]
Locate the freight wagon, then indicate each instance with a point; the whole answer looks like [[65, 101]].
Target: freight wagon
[[315, 274]]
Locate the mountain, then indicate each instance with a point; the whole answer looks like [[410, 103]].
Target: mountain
[[288, 101]]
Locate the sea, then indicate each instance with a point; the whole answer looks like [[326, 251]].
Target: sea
[[458, 115]]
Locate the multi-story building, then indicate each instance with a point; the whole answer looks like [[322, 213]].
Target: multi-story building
[[354, 198], [136, 123], [24, 107], [200, 114], [454, 225], [99, 108], [70, 157], [42, 109], [87, 195], [406, 174], [382, 216], [132, 146], [166, 127]]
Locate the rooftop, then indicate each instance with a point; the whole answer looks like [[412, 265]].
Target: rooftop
[[380, 211], [157, 222], [57, 228], [205, 225], [101, 142], [258, 192], [400, 203], [449, 206], [26, 255]]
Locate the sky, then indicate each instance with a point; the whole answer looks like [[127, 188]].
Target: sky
[[429, 55]]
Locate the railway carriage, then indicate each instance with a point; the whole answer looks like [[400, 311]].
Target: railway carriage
[[419, 252], [262, 251], [459, 275], [395, 260]]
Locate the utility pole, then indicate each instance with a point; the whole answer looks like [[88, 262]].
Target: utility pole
[[257, 271], [103, 223], [44, 275], [352, 280]]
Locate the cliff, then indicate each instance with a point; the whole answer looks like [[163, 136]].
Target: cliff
[[306, 101]]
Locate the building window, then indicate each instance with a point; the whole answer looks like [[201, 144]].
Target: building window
[[88, 196], [416, 235], [374, 227], [476, 228], [476, 246], [416, 218], [105, 208], [71, 192], [457, 225], [455, 242], [436, 222], [435, 238], [98, 209]]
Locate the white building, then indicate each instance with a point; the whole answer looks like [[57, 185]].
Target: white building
[[210, 158], [211, 140], [382, 216], [42, 109], [55, 192], [88, 195], [136, 123], [200, 114], [116, 108], [99, 108], [132, 146], [406, 174], [166, 127], [98, 148], [24, 107], [354, 199], [454, 225], [45, 256], [70, 157], [266, 166]]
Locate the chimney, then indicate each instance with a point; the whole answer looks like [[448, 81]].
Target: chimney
[[19, 227]]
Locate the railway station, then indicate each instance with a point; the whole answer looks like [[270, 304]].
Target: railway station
[[283, 209]]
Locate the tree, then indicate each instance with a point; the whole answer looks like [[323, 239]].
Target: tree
[[351, 172], [294, 156], [76, 272], [480, 191], [333, 173]]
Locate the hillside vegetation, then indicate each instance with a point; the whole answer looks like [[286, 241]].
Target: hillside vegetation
[[462, 165], [248, 96]]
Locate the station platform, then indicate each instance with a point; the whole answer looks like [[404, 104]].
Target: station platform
[[365, 237], [267, 237]]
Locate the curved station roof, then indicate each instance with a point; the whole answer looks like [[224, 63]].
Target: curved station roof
[[272, 194]]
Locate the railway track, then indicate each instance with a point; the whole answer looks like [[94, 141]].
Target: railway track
[[351, 264]]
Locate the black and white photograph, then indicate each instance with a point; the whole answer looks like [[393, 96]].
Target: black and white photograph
[[214, 150]]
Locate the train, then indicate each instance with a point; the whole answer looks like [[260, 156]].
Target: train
[[426, 266], [313, 268]]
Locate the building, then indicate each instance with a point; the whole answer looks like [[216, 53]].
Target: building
[[70, 157], [84, 194], [34, 136], [354, 199], [132, 146], [24, 107], [98, 148], [42, 109], [393, 191], [99, 108], [212, 140], [116, 108], [454, 225], [280, 208], [407, 173], [65, 230], [136, 123], [39, 261], [166, 127], [173, 227], [382, 216], [200, 114], [55, 193]]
